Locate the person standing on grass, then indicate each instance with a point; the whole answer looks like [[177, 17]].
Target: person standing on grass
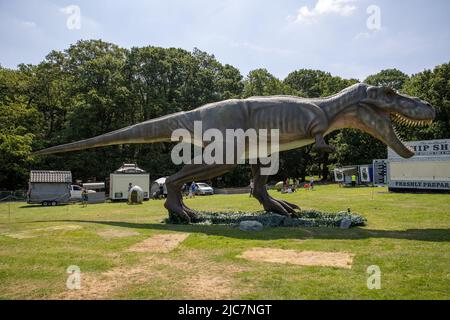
[[84, 197], [353, 181], [311, 183], [252, 185]]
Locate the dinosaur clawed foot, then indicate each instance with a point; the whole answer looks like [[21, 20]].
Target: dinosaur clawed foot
[[280, 207], [179, 213], [190, 212]]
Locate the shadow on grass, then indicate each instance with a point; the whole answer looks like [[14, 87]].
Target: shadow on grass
[[434, 235], [32, 206]]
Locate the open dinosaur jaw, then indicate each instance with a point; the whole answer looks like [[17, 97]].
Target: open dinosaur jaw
[[398, 119]]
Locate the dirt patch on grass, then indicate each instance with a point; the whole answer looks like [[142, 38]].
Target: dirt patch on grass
[[33, 233], [203, 278], [116, 233], [103, 285], [191, 274], [209, 286], [160, 243], [301, 258], [100, 286]]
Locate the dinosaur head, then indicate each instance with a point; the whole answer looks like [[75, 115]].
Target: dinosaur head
[[383, 108]]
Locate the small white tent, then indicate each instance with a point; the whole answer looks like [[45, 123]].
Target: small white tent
[[136, 195], [156, 187]]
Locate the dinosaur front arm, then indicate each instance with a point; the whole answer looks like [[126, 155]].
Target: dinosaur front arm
[[322, 145]]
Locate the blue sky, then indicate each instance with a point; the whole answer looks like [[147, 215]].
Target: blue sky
[[281, 36]]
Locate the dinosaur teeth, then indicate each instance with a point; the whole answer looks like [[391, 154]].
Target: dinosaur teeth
[[404, 121]]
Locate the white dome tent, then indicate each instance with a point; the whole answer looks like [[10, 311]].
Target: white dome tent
[[135, 195], [155, 188]]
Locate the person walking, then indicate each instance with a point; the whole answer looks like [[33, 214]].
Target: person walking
[[311, 183], [192, 190], [252, 185]]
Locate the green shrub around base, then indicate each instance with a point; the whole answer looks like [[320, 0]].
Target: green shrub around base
[[305, 218]]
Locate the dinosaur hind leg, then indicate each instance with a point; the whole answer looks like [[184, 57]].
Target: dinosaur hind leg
[[191, 172], [270, 204]]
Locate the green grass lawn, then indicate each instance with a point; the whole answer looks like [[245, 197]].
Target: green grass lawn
[[407, 236]]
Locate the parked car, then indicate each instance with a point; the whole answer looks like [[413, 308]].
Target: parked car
[[203, 189], [76, 192]]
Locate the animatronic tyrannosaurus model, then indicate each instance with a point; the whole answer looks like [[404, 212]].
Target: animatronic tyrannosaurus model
[[300, 122]]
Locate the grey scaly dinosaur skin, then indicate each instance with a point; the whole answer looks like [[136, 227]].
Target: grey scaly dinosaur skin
[[300, 122]]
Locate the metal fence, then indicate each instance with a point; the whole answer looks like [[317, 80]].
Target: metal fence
[[10, 196]]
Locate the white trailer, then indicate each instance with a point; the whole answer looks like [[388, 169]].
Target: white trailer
[[120, 180], [49, 187]]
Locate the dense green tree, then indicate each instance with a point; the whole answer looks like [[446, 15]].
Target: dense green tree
[[261, 82], [434, 87], [389, 78], [349, 150], [308, 83], [19, 122], [15, 158]]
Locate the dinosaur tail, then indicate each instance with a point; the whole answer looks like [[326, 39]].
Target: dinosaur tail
[[157, 130]]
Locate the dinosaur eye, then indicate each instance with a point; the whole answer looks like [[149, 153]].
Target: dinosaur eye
[[389, 91]]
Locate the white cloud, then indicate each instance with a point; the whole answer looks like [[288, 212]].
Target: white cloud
[[28, 24], [322, 7]]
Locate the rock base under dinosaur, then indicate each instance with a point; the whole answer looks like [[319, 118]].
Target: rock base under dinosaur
[[306, 218]]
